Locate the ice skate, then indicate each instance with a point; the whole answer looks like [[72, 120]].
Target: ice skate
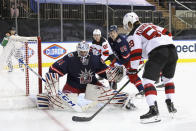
[[140, 94], [170, 106], [152, 116]]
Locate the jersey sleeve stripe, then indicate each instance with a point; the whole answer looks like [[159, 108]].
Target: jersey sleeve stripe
[[102, 71], [106, 53], [136, 51], [125, 57], [54, 69], [136, 58], [136, 54]]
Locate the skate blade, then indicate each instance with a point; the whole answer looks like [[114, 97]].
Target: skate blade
[[160, 86], [172, 115], [151, 120]]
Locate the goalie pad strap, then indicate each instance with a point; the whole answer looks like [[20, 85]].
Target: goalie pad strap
[[52, 83], [42, 102]]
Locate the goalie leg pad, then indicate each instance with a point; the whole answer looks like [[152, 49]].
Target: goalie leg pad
[[52, 83], [103, 94], [42, 102]]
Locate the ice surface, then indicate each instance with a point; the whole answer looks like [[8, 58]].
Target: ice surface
[[110, 119]]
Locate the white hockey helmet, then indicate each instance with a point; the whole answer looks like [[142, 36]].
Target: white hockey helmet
[[97, 32], [83, 49], [130, 17]]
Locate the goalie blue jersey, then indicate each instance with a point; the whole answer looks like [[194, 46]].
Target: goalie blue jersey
[[79, 73]]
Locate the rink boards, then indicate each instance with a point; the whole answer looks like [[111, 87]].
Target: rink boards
[[52, 51]]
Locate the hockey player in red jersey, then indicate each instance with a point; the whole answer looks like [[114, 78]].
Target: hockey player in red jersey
[[121, 50], [155, 44]]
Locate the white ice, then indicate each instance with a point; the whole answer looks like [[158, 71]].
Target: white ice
[[114, 119]]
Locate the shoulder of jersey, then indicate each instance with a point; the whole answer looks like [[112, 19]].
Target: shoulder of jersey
[[134, 30], [101, 41], [93, 56], [119, 39], [71, 54]]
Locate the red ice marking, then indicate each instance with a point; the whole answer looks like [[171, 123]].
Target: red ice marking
[[56, 121]]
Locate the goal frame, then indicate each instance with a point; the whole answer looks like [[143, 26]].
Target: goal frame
[[39, 57]]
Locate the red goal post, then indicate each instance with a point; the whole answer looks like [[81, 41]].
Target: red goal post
[[30, 48], [39, 63]]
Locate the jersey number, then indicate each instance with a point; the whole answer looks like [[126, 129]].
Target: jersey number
[[155, 33], [105, 46], [131, 43]]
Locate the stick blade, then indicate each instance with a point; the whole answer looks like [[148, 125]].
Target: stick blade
[[81, 119]]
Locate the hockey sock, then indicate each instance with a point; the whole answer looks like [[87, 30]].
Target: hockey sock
[[138, 84], [150, 93], [169, 90]]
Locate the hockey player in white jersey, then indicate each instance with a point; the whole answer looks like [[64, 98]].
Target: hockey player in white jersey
[[101, 47], [16, 52], [155, 44]]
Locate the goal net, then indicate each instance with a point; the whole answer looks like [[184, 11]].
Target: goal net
[[18, 83]]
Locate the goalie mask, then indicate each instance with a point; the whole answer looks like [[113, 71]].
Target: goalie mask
[[83, 50]]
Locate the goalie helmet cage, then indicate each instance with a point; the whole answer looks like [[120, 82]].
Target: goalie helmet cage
[[29, 49]]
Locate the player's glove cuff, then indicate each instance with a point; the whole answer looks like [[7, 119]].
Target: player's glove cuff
[[132, 71]]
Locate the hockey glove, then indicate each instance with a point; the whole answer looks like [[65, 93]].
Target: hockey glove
[[115, 74]]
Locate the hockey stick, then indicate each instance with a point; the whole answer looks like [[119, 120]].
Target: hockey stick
[[73, 105], [85, 119]]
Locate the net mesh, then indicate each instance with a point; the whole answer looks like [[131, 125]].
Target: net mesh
[[17, 82]]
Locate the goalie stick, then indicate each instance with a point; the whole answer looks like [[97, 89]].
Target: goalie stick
[[85, 119]]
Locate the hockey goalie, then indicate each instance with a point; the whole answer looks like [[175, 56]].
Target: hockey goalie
[[81, 67]]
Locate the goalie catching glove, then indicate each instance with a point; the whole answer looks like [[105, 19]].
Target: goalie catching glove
[[115, 74]]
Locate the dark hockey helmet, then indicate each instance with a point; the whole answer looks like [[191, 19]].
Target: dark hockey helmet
[[113, 28], [12, 31], [83, 49]]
